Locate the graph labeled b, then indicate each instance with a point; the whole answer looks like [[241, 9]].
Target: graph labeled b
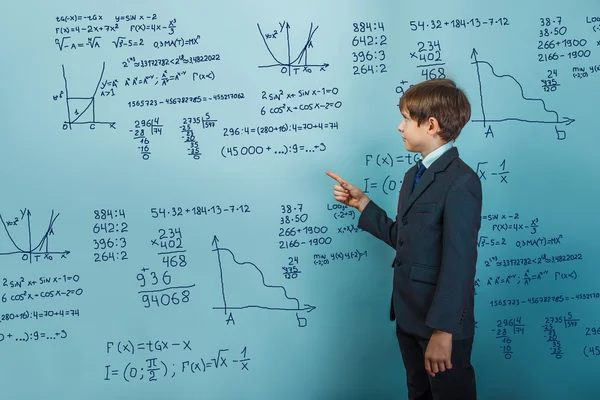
[[29, 237], [82, 110], [502, 98], [244, 286]]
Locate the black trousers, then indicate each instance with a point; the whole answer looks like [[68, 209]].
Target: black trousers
[[457, 383]]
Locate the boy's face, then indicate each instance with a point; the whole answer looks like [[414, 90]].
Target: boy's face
[[422, 138], [415, 137]]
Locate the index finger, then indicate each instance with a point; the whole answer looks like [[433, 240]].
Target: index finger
[[335, 176]]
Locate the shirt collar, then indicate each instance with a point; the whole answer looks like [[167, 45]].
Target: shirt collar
[[437, 153]]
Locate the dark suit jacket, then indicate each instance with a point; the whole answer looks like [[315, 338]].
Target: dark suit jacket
[[435, 236]]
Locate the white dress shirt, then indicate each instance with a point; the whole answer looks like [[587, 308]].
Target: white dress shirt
[[437, 153]]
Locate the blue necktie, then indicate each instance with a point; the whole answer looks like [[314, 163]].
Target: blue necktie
[[420, 172]]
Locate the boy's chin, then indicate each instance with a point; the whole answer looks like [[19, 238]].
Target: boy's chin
[[409, 148]]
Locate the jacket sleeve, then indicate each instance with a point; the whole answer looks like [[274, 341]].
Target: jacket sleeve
[[461, 224], [375, 220]]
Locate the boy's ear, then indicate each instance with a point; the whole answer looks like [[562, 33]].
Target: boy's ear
[[433, 126]]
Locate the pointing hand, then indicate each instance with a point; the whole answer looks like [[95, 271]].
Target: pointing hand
[[348, 194]]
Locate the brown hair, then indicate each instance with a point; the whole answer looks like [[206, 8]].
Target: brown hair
[[441, 99]]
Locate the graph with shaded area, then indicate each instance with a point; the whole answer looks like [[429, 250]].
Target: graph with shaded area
[[17, 238], [284, 59], [82, 110], [495, 88], [244, 286]]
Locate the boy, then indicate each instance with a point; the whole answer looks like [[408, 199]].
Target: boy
[[435, 236]]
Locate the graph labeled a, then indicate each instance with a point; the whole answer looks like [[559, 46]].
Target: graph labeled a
[[245, 287], [29, 237], [495, 88], [82, 110], [290, 52]]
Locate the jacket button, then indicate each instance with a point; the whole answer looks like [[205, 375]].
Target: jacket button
[[400, 242], [404, 221]]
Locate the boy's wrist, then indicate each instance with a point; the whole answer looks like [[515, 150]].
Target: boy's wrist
[[442, 333], [362, 203]]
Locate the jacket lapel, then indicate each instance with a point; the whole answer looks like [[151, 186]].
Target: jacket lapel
[[427, 179], [406, 188]]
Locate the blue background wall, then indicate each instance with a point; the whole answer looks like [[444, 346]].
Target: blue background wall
[[168, 230]]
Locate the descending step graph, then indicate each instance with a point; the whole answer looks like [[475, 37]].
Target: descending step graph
[[529, 110], [82, 110], [21, 225], [243, 286], [280, 38]]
